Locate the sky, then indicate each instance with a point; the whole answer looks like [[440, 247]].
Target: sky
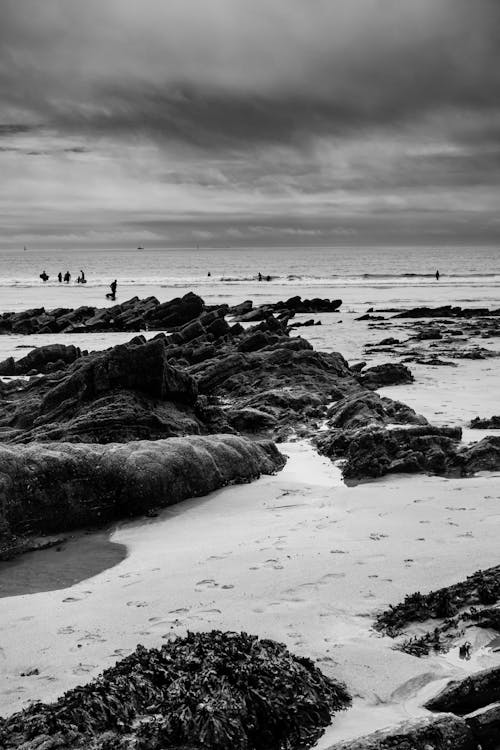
[[249, 122]]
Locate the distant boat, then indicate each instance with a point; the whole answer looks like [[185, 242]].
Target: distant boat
[[140, 247]]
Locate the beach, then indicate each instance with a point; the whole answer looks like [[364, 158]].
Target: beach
[[296, 556]]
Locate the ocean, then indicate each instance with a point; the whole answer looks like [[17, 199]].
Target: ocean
[[393, 276]]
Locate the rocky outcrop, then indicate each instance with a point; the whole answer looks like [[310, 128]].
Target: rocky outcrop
[[443, 733], [447, 311], [43, 359], [245, 312], [132, 315], [364, 409], [48, 488], [468, 694], [374, 451], [389, 373], [493, 423], [128, 392]]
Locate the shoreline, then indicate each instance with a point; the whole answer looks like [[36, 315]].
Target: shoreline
[[298, 557]]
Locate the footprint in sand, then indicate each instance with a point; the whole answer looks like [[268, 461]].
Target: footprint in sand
[[137, 604], [338, 552], [208, 582], [66, 630], [376, 537]]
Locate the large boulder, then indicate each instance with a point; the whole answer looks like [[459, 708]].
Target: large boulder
[[389, 373], [468, 694], [363, 409], [52, 487], [374, 451], [40, 358]]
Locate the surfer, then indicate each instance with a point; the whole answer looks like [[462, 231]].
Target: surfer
[[44, 277], [67, 277], [437, 275], [112, 295], [59, 277]]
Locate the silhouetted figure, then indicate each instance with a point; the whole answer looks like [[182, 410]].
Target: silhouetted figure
[[67, 277], [59, 277], [259, 276], [112, 286], [44, 276], [268, 278], [464, 650], [437, 275], [209, 274], [81, 279]]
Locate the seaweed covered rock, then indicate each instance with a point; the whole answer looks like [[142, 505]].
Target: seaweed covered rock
[[207, 691], [53, 487], [480, 588]]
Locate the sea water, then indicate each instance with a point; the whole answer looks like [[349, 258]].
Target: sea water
[[360, 276]]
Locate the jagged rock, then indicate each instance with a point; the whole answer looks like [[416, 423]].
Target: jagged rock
[[250, 420], [443, 733], [468, 694], [481, 456], [493, 423], [389, 373], [129, 392], [363, 409], [39, 359], [375, 451], [48, 488]]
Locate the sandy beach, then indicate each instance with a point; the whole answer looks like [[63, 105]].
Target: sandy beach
[[298, 557]]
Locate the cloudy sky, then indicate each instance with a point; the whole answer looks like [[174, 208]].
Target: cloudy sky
[[249, 122]]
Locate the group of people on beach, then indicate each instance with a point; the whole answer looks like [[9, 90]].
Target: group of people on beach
[[260, 277], [66, 278], [80, 280]]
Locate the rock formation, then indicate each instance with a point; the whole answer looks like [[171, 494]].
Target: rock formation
[[53, 487]]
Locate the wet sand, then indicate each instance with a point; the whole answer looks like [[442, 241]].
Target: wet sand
[[78, 557]]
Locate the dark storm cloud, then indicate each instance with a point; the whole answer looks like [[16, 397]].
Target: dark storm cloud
[[240, 71], [240, 120]]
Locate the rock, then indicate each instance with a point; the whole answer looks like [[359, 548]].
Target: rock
[[468, 694], [389, 373], [369, 316], [442, 733], [481, 456], [447, 311], [361, 410], [493, 423], [48, 488], [429, 334], [250, 420], [39, 359], [375, 451], [129, 392], [485, 725]]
